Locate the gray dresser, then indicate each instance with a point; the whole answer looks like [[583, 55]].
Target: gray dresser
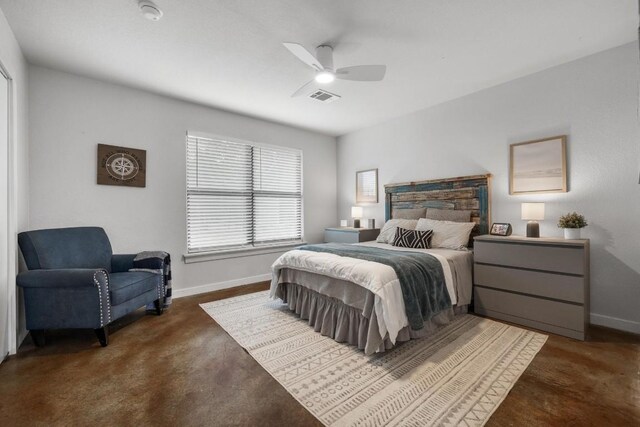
[[350, 234], [542, 283]]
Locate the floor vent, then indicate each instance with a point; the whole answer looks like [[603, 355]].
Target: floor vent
[[323, 96]]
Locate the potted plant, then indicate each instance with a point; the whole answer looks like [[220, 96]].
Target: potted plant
[[572, 223]]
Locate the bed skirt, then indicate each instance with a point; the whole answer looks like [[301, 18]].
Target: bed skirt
[[332, 318]]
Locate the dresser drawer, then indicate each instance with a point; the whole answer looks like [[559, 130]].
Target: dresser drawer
[[350, 235], [341, 236], [549, 285], [562, 259], [546, 312]]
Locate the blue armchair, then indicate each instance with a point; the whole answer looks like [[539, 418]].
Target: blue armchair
[[74, 281]]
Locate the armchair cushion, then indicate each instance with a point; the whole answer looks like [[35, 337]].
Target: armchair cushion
[[126, 286], [61, 278]]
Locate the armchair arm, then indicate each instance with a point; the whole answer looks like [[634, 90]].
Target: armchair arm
[[66, 298], [62, 278], [121, 263]]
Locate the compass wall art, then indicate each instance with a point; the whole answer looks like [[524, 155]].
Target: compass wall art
[[121, 166]]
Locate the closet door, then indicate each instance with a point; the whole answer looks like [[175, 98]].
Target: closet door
[[4, 216]]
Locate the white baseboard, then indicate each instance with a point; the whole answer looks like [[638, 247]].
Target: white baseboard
[[194, 290], [615, 323]]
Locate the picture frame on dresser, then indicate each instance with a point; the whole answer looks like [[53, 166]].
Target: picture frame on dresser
[[500, 229]]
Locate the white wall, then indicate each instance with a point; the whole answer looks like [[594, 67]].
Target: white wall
[[70, 115], [593, 100], [16, 65]]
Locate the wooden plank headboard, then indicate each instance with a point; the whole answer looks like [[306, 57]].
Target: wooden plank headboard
[[462, 193]]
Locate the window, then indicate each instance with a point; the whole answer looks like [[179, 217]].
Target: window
[[241, 195]]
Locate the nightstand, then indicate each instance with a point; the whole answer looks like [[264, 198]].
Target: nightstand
[[350, 234], [542, 282]]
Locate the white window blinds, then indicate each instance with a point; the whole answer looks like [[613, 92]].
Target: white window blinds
[[241, 195]]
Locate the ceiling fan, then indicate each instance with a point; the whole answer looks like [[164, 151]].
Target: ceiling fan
[[322, 63]]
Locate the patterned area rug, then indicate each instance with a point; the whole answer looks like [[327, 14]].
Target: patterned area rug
[[459, 376]]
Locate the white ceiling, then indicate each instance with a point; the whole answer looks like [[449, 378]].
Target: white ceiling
[[228, 53]]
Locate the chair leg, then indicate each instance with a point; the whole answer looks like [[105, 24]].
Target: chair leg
[[159, 305], [37, 335], [103, 335]]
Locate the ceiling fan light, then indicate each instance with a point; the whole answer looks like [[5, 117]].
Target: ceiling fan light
[[324, 77]]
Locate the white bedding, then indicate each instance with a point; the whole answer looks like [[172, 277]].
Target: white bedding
[[380, 279]]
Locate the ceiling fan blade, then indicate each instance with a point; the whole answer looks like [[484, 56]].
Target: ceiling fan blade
[[304, 55], [304, 89], [362, 73]]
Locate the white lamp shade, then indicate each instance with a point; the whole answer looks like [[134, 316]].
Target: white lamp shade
[[356, 212], [533, 211]]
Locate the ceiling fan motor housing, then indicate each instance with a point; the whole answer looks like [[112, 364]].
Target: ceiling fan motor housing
[[324, 54]]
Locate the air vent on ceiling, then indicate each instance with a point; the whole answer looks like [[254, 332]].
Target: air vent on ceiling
[[323, 96]]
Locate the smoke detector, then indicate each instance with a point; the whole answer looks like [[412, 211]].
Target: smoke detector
[[324, 96], [150, 10]]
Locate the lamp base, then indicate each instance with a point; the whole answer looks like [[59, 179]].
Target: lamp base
[[533, 229], [356, 223]]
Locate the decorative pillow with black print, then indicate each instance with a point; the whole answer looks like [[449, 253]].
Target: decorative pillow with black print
[[417, 239]]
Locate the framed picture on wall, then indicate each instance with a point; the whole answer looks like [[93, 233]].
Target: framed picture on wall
[[538, 166], [367, 186], [121, 166]]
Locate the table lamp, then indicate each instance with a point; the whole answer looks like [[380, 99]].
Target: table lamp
[[356, 214], [533, 212]]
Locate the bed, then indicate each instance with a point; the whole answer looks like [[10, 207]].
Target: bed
[[360, 302]]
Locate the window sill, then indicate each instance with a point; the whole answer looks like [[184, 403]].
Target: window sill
[[238, 253]]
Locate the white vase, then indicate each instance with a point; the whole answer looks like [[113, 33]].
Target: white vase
[[572, 233]]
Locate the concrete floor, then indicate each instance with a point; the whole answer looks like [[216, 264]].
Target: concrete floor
[[182, 369]]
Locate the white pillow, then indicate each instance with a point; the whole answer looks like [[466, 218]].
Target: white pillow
[[388, 232], [447, 234]]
